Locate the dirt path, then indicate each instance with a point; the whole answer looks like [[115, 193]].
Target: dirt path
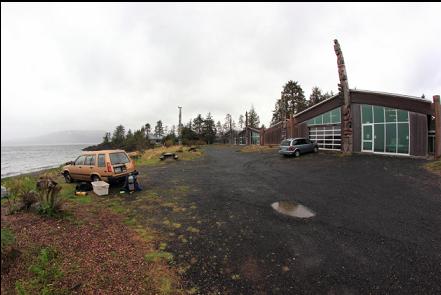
[[376, 229]]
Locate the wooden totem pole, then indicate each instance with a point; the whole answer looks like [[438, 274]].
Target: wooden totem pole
[[346, 109], [246, 128]]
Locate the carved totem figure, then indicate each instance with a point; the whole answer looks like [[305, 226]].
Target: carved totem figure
[[346, 109]]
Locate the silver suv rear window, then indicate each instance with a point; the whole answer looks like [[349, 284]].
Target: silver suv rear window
[[285, 143], [118, 158]]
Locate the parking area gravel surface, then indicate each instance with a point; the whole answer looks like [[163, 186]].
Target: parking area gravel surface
[[377, 227]]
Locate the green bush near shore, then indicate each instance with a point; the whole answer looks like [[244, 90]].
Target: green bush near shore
[[23, 193]]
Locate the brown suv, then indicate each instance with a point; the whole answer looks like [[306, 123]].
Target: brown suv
[[107, 165]]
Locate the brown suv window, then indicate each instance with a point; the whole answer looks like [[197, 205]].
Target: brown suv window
[[118, 158], [90, 160], [101, 161], [80, 160]]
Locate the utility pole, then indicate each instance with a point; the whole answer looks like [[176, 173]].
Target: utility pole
[[180, 126]]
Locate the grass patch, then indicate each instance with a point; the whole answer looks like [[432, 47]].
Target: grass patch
[[255, 148], [44, 275], [130, 221], [7, 239], [116, 206], [150, 157], [193, 229], [82, 199], [434, 166], [159, 255]]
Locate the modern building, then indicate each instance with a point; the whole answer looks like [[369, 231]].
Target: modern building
[[249, 135], [381, 123], [366, 121]]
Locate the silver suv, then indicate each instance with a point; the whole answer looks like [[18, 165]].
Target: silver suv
[[297, 146]]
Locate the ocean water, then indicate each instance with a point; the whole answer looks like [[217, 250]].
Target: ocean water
[[16, 160]]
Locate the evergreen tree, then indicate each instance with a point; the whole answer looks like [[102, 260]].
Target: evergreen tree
[[291, 102], [197, 124], [147, 129], [241, 122], [208, 129], [139, 140], [159, 130], [277, 112], [253, 118], [219, 129], [119, 136], [188, 135], [316, 96], [328, 95], [106, 138], [173, 130], [293, 94]]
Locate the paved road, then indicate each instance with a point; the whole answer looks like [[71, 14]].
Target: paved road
[[377, 227]]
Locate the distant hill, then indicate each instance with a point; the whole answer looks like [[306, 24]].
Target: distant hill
[[62, 137]]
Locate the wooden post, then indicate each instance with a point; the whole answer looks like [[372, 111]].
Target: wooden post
[[262, 136], [437, 105], [246, 128], [346, 108]]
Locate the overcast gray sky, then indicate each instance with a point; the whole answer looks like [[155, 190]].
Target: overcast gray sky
[[79, 66]]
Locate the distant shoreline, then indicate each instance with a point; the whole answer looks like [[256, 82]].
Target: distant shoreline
[[45, 144], [31, 173]]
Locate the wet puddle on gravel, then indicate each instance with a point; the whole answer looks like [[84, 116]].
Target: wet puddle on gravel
[[292, 209]]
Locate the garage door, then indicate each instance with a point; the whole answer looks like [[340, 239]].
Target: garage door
[[327, 137]]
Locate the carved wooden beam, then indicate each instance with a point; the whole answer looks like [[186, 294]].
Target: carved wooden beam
[[346, 109]]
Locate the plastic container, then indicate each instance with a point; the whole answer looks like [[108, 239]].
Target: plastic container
[[101, 188]]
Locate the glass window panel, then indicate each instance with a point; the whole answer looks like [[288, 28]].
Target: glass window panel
[[327, 118], [311, 122], [335, 116], [367, 132], [101, 160], [378, 114], [391, 138], [367, 145], [80, 160], [403, 116], [390, 114], [366, 113], [403, 138], [378, 137]]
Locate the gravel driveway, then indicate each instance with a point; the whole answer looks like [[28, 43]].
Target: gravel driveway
[[377, 227]]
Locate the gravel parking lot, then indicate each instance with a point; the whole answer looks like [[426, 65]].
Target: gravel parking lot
[[376, 229]]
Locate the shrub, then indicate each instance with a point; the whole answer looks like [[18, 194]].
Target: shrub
[[49, 196], [22, 194], [169, 143]]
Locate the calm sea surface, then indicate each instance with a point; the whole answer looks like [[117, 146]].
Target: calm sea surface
[[17, 160]]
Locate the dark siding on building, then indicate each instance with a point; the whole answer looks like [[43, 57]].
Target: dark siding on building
[[356, 127], [418, 134], [303, 130], [392, 101]]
